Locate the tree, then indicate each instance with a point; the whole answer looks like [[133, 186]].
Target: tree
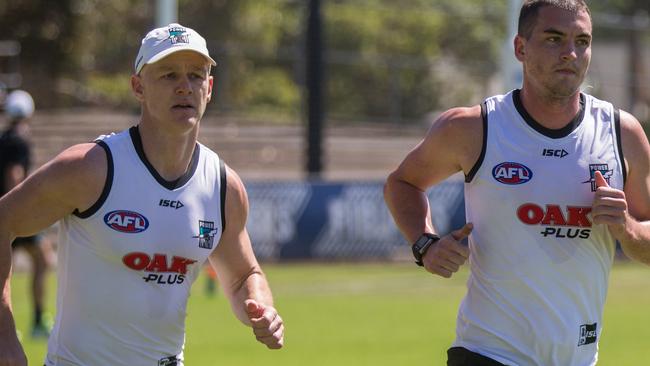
[[46, 31]]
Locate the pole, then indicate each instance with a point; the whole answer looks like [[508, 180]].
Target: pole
[[166, 12], [314, 70], [510, 69]]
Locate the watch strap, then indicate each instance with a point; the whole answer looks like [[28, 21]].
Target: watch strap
[[422, 245]]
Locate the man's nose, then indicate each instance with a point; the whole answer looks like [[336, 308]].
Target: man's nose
[[569, 52], [184, 85]]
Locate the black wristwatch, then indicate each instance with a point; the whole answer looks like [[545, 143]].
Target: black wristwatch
[[421, 246]]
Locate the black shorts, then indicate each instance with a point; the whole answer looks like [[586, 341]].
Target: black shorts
[[459, 356], [25, 241]]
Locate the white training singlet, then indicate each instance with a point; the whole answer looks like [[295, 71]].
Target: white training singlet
[[126, 265], [539, 267]]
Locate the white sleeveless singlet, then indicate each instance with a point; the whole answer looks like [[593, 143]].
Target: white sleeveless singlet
[[539, 266], [126, 265]]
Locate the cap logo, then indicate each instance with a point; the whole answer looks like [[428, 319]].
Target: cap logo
[[178, 35], [161, 42]]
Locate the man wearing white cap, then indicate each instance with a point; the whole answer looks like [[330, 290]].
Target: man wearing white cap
[[141, 211], [15, 162]]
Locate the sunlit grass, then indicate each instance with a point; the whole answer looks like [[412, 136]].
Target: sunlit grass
[[365, 314]]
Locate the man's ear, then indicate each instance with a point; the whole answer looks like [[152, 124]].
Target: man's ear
[[520, 47], [136, 87], [210, 88]]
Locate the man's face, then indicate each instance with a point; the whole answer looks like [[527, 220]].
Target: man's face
[[557, 54], [175, 89]]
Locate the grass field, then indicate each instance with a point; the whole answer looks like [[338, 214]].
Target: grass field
[[366, 314]]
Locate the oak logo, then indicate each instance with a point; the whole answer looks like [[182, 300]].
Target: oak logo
[[160, 269], [560, 222]]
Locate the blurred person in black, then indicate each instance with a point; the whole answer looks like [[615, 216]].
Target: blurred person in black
[[15, 162]]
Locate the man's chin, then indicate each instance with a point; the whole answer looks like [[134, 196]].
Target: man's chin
[[564, 91]]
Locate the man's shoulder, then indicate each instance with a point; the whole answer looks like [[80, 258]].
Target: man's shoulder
[[474, 114], [596, 102], [460, 119], [208, 151], [82, 159], [113, 137]]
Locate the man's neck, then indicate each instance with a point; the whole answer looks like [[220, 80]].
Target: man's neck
[[169, 154], [552, 113]]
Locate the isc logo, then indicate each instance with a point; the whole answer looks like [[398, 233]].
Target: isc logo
[[126, 221], [512, 173], [169, 203], [557, 153]]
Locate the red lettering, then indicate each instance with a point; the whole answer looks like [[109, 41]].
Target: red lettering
[[578, 216], [179, 264], [553, 216], [158, 264], [530, 213], [136, 260]]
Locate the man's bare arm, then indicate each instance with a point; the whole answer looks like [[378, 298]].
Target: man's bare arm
[[72, 180], [240, 274], [627, 212]]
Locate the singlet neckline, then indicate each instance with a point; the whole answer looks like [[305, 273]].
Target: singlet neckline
[[134, 132], [549, 132]]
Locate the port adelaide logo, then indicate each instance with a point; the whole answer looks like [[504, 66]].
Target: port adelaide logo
[[511, 173], [603, 169], [178, 35], [126, 221], [206, 234]]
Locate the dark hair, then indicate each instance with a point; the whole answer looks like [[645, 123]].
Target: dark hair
[[530, 10]]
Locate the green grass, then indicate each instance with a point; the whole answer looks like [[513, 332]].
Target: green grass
[[366, 314]]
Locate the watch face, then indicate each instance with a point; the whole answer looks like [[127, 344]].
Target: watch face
[[420, 244]]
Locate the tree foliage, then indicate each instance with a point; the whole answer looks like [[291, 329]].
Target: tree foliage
[[385, 59], [47, 32]]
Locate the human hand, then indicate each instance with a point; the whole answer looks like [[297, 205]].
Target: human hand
[[609, 206], [267, 324], [446, 256], [11, 352]]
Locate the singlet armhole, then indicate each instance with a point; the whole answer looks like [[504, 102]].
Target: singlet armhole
[[223, 186], [619, 144], [470, 176], [107, 185]]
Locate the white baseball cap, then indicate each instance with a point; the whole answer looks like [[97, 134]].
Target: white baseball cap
[[19, 104], [161, 42]]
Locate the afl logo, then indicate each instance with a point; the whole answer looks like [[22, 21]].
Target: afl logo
[[126, 221], [512, 173]]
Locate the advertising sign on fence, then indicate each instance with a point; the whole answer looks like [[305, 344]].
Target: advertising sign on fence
[[337, 221]]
